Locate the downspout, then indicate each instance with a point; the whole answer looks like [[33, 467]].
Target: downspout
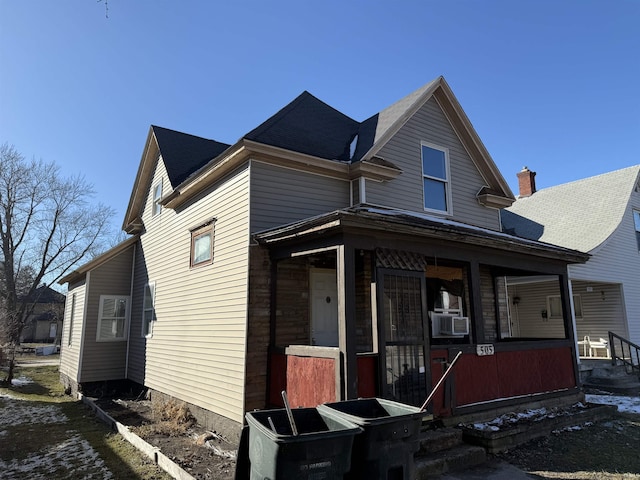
[[133, 271]]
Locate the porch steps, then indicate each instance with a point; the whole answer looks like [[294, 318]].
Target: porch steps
[[609, 378], [443, 450]]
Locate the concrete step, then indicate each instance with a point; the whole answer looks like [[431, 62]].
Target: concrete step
[[439, 439], [457, 458], [623, 388]]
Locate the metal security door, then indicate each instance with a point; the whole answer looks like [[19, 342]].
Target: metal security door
[[403, 340]]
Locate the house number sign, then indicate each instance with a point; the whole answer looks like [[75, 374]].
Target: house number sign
[[483, 350]]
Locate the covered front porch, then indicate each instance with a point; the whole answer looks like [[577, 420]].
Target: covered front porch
[[368, 302]]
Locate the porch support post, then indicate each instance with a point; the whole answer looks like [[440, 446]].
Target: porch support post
[[476, 301], [346, 320], [567, 313]]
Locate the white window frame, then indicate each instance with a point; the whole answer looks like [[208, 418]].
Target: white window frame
[[148, 333], [196, 233], [446, 181], [636, 222], [156, 208], [125, 327], [577, 306]]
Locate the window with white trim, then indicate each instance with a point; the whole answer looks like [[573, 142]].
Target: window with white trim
[[554, 306], [636, 221], [157, 196], [435, 178], [148, 309], [202, 245], [113, 318]]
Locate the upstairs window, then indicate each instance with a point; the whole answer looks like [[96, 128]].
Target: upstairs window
[[157, 195], [202, 245], [636, 219], [112, 318], [148, 309], [435, 178]]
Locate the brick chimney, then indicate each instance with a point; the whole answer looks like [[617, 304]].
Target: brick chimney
[[526, 182]]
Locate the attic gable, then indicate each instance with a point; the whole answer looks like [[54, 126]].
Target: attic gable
[[182, 154], [380, 128]]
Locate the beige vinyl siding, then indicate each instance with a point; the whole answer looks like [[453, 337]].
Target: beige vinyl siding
[[196, 352], [617, 261], [282, 195], [602, 310], [430, 124], [105, 360], [70, 353], [528, 312]]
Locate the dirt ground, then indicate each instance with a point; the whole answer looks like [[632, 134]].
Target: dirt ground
[[203, 454], [605, 450]]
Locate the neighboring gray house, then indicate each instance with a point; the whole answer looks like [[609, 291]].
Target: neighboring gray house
[[326, 256], [44, 325], [600, 216]]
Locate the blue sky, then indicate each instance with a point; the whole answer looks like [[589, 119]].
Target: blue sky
[[553, 85]]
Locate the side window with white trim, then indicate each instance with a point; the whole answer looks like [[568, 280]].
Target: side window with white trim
[[148, 309], [113, 318]]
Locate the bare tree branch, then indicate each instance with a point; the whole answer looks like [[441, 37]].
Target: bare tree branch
[[47, 227]]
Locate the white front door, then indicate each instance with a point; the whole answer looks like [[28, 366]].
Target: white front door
[[324, 307]]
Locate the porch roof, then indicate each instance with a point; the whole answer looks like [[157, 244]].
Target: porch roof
[[368, 217]]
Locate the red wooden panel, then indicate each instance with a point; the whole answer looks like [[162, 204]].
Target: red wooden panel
[[367, 377], [278, 381], [476, 379], [310, 381], [556, 367], [519, 373], [437, 370]]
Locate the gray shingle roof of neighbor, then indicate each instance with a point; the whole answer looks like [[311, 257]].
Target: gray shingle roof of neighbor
[[580, 215], [183, 154]]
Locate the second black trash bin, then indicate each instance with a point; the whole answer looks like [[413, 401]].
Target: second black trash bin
[[321, 450], [389, 440]]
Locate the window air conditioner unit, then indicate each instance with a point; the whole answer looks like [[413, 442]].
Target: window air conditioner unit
[[448, 324]]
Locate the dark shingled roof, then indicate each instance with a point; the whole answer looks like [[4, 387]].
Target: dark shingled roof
[[308, 125], [44, 294], [183, 154]]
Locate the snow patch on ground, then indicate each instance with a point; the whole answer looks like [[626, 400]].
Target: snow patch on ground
[[21, 381], [624, 404], [532, 415], [73, 455], [22, 412]]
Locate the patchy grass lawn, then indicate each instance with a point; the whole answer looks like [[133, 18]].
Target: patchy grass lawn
[[46, 434]]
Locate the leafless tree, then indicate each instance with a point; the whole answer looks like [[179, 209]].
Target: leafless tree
[[47, 226]]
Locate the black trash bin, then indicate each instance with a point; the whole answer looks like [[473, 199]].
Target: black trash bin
[[322, 448], [389, 438]]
